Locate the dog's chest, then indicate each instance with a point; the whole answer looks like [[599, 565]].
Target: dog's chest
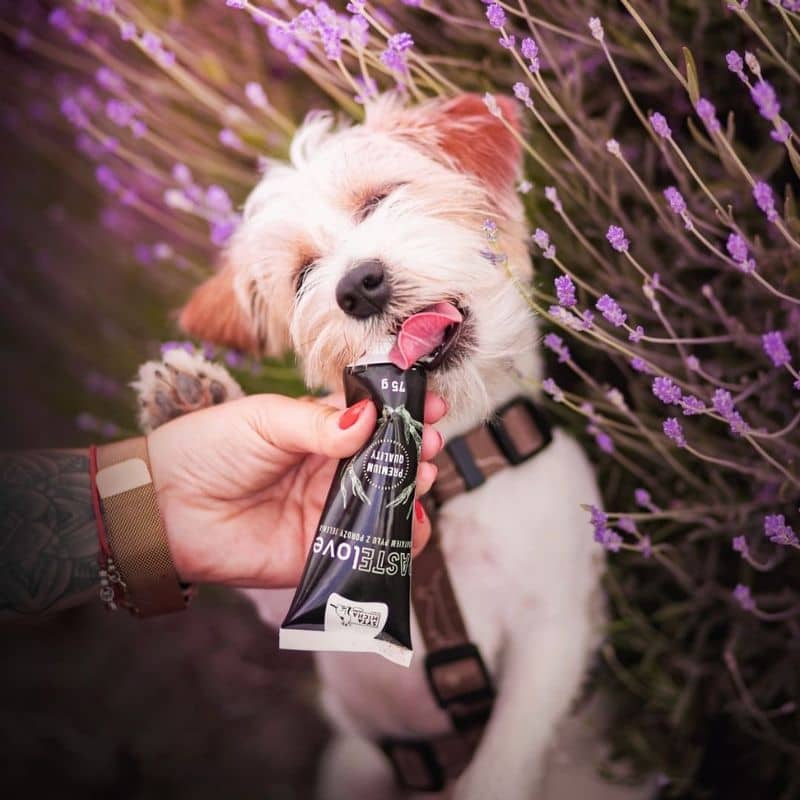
[[382, 699]]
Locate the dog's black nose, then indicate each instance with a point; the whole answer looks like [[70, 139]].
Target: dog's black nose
[[364, 290]]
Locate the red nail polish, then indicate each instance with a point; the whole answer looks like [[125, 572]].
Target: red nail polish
[[351, 415], [419, 511]]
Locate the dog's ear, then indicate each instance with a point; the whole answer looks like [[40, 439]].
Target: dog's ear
[[214, 314], [478, 141]]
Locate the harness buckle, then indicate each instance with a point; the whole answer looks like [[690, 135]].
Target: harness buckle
[[498, 428], [461, 684], [415, 764]]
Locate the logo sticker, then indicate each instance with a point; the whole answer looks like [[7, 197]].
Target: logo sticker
[[361, 619]]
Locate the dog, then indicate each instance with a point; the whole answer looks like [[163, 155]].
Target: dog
[[403, 197]]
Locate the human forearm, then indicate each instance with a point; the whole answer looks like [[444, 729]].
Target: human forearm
[[48, 536]]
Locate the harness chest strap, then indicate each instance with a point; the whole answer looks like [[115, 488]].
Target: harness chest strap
[[457, 675]]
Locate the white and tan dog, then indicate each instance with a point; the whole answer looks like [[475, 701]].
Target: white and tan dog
[[366, 226]]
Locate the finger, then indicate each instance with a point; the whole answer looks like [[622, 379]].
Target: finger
[[426, 475], [302, 427], [422, 529], [435, 407], [432, 443]]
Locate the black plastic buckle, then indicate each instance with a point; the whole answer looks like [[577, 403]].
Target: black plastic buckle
[[422, 750], [504, 442], [459, 451], [482, 694]]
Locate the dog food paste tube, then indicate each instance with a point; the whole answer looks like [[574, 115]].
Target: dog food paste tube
[[355, 591]]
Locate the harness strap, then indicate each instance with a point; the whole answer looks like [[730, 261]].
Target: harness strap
[[457, 675]]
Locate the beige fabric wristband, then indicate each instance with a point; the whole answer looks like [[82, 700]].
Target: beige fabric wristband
[[134, 528]]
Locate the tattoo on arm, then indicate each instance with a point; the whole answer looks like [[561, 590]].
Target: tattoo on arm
[[48, 537]]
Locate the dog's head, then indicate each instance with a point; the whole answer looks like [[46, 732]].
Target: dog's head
[[370, 224]]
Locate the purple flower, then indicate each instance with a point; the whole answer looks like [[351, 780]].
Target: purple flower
[[233, 358], [230, 139], [706, 111], [551, 193], [107, 178], [675, 200], [542, 239], [739, 544], [255, 94], [331, 41], [737, 247], [596, 28], [496, 15], [236, 3], [723, 405], [394, 56], [602, 533], [640, 365], [735, 63], [765, 200], [610, 309], [775, 348], [59, 19], [522, 93], [530, 50], [646, 547], [127, 31], [660, 125], [616, 238], [642, 498], [673, 430], [71, 109], [556, 344], [109, 79], [777, 531], [636, 335], [666, 391], [782, 131], [565, 290], [601, 438], [693, 362], [626, 524], [218, 200], [507, 41], [692, 405], [765, 99], [742, 595], [120, 112], [551, 387]]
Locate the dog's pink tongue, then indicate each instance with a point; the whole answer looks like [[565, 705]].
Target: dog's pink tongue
[[422, 333]]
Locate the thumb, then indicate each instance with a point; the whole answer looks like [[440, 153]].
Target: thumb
[[298, 426]]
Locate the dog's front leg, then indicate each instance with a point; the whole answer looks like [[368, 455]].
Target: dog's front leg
[[542, 674], [178, 384]]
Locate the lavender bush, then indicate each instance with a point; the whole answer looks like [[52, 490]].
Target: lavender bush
[[662, 169]]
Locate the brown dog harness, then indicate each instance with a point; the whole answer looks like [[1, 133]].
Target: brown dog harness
[[457, 675]]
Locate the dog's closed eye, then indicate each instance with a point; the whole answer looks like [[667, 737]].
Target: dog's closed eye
[[308, 264], [372, 200]]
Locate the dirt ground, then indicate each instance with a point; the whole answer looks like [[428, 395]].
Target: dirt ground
[[195, 705]]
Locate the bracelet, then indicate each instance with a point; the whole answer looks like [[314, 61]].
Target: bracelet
[[136, 563], [112, 587]]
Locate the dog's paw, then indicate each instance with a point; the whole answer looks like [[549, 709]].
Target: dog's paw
[[180, 383]]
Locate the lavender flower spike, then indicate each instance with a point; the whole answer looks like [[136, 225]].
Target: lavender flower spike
[[706, 111], [666, 391], [610, 309], [555, 343], [742, 595], [675, 199], [660, 125], [673, 430], [236, 3], [765, 200], [496, 15], [737, 247], [766, 100], [776, 349], [596, 27], [735, 64], [777, 531], [565, 290], [616, 238]]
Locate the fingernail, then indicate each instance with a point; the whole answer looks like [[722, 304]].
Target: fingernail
[[441, 441], [419, 511], [351, 415]]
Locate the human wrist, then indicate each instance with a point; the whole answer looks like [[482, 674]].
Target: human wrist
[[133, 535]]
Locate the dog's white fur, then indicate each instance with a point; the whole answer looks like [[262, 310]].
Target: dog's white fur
[[519, 548]]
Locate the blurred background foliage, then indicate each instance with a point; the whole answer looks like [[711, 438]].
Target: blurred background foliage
[[111, 215]]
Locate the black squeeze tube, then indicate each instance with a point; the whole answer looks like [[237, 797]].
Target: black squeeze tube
[[355, 591]]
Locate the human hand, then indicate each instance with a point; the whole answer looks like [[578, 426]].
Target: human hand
[[241, 485]]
